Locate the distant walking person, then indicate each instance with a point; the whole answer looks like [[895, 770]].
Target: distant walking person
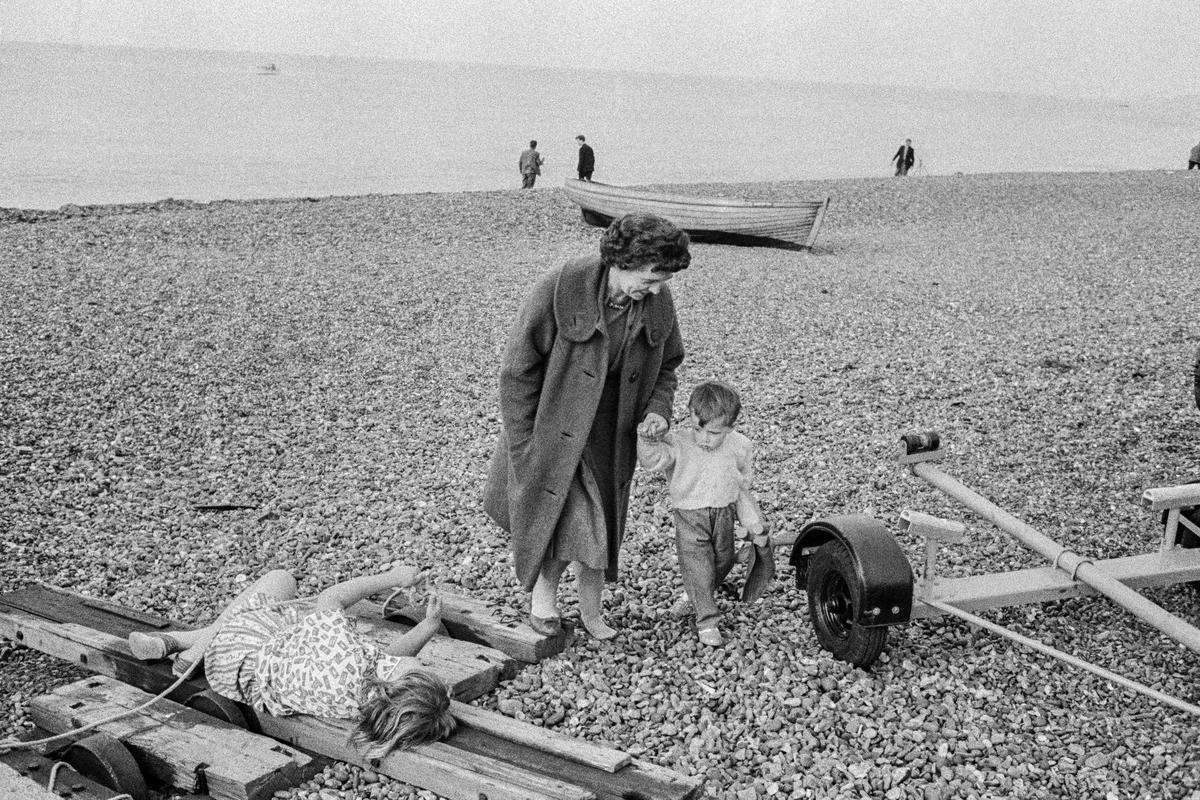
[[904, 158], [530, 165], [587, 159], [1194, 157]]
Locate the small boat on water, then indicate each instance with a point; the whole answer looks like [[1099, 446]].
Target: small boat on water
[[727, 220], [268, 69]]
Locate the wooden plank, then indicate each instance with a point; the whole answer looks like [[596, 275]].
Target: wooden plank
[[470, 669], [980, 592], [548, 741], [1168, 497], [61, 605], [474, 620], [25, 775], [91, 649], [108, 654], [640, 779], [176, 745], [438, 767]]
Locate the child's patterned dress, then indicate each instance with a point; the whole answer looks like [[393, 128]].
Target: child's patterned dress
[[272, 658]]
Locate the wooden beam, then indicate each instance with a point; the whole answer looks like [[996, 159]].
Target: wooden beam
[[438, 767], [640, 779], [548, 741], [470, 669], [174, 744], [445, 769], [981, 592], [477, 621]]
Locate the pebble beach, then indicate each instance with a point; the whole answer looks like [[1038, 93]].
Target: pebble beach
[[328, 368]]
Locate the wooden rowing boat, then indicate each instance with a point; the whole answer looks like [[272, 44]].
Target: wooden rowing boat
[[706, 219]]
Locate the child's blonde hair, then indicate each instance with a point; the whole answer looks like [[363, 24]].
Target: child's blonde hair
[[715, 400], [403, 713]]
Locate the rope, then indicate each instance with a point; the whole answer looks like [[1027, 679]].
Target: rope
[[1034, 644], [54, 776], [16, 744]]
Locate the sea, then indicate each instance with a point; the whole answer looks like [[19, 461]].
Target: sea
[[98, 125]]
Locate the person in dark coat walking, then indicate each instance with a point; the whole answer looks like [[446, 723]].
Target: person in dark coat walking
[[587, 159], [592, 354], [904, 158]]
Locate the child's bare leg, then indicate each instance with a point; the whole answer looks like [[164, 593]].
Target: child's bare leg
[[591, 587], [192, 644], [277, 584]]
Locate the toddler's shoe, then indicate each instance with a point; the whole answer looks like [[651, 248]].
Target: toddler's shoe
[[710, 636]]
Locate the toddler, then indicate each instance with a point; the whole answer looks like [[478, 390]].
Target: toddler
[[709, 473]]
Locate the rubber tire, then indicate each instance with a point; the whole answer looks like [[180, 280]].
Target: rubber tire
[[1196, 380], [213, 704], [1186, 539], [106, 761], [833, 604]]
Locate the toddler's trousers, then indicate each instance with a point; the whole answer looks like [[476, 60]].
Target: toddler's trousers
[[704, 543]]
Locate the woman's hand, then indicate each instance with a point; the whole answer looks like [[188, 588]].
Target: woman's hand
[[653, 427]]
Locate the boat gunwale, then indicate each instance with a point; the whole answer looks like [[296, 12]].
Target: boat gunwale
[[589, 189]]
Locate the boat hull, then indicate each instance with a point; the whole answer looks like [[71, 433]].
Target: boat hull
[[706, 219]]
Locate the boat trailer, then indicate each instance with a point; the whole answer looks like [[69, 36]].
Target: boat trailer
[[859, 581]]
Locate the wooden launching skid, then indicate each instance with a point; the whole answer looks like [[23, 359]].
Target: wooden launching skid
[[490, 756]]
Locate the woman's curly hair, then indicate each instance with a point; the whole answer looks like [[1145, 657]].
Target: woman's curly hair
[[644, 241]]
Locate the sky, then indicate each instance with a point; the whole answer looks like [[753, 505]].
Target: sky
[[1090, 48]]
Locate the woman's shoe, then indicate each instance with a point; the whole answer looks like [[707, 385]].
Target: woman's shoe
[[151, 646], [546, 626]]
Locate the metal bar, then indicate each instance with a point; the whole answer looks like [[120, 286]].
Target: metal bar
[[1170, 530], [1108, 675], [1077, 567], [1045, 583]]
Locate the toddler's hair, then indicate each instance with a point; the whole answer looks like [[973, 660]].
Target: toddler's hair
[[713, 400], [403, 713]]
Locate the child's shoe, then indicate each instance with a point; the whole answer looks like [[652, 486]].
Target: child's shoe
[[681, 607], [710, 636]]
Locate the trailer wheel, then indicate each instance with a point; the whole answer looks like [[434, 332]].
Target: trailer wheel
[[833, 600], [1196, 380], [213, 704], [1186, 539], [106, 761]]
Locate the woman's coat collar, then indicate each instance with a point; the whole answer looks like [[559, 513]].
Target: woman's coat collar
[[577, 310]]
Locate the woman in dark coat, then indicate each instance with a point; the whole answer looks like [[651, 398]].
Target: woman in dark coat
[[593, 353]]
